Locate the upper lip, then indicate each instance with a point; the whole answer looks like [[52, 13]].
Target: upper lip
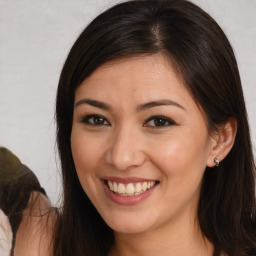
[[126, 180]]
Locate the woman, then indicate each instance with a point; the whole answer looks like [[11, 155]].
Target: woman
[[153, 138]]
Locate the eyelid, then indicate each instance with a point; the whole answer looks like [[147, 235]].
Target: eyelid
[[85, 119], [167, 119]]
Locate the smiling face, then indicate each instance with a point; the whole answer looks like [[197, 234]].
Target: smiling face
[[140, 144]]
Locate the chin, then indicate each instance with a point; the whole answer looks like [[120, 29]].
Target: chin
[[127, 228], [129, 224]]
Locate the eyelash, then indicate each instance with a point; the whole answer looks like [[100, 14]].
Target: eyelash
[[94, 117], [99, 120], [167, 121]]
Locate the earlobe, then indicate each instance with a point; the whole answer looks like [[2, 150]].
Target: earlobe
[[222, 142]]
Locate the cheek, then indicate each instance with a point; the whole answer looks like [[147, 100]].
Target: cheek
[[85, 152], [86, 156], [181, 155]]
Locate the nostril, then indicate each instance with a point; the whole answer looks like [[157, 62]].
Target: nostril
[[125, 151]]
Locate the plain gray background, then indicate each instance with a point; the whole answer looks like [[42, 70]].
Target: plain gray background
[[35, 37]]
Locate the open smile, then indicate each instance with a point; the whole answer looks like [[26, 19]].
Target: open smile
[[128, 191]]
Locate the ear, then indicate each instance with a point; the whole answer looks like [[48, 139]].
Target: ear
[[222, 141]]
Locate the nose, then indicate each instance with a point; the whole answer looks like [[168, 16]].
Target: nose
[[126, 150]]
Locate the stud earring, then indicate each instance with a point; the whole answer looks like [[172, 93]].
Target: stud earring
[[216, 161]]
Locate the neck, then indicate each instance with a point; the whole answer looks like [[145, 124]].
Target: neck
[[181, 237]]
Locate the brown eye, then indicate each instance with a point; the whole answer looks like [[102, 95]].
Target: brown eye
[[96, 120], [159, 121]]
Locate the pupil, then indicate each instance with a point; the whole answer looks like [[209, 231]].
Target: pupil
[[98, 120], [159, 122]]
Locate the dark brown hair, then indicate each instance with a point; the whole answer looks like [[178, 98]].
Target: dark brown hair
[[204, 58]]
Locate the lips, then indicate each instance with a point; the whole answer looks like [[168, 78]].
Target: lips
[[129, 187]]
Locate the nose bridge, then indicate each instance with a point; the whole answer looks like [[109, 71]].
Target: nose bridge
[[126, 148]]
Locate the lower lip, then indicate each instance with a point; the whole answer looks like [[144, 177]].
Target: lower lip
[[128, 200]]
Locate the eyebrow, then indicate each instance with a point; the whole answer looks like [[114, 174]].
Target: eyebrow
[[164, 102], [94, 103], [139, 108]]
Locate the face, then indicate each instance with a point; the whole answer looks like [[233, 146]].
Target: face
[[140, 144]]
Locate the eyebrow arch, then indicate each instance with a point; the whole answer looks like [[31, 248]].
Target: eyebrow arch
[[164, 102], [141, 107], [94, 103]]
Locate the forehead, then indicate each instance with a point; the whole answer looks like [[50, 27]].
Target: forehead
[[146, 75], [126, 84]]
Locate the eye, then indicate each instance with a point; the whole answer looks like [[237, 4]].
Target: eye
[[95, 120], [159, 121]]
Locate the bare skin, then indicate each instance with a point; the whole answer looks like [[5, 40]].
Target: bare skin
[[165, 243], [134, 118], [121, 137], [34, 235]]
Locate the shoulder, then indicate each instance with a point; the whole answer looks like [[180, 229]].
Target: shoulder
[[5, 235], [35, 232]]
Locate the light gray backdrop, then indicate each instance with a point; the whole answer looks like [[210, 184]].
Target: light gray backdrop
[[35, 37]]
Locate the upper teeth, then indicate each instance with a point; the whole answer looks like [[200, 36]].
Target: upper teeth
[[130, 189]]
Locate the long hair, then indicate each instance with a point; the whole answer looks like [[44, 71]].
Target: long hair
[[203, 57]]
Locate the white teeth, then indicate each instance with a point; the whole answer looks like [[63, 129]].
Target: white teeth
[[144, 186], [110, 185], [121, 188], [130, 189], [115, 187], [138, 188]]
